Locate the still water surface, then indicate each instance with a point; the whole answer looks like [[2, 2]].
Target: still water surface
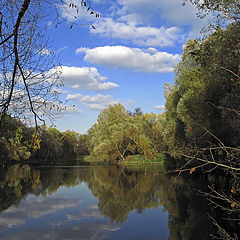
[[98, 203]]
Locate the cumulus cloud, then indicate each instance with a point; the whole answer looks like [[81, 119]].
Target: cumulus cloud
[[85, 78], [74, 96], [69, 110], [98, 102], [131, 58], [171, 11], [141, 35]]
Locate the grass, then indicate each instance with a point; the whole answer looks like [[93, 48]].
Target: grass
[[154, 160], [139, 160]]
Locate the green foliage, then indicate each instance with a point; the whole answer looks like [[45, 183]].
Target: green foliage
[[21, 143], [118, 134], [56, 145], [155, 160], [110, 137], [202, 125], [173, 134], [153, 127], [206, 93], [14, 142]]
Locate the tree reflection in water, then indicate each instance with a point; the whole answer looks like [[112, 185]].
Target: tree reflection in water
[[119, 192]]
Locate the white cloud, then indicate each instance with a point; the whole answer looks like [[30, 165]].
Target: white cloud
[[160, 107], [85, 78], [73, 96], [70, 110], [98, 102], [171, 11], [141, 35], [131, 58]]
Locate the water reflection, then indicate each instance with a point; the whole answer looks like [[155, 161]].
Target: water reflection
[[98, 203]]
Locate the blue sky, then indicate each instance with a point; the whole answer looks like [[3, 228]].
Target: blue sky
[[127, 58]]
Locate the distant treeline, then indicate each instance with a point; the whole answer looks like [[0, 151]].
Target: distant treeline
[[21, 143]]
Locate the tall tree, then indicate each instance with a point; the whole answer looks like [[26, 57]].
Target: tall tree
[[117, 134]]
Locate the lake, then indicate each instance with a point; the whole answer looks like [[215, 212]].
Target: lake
[[107, 203]]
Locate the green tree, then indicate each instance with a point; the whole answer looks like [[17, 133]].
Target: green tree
[[51, 146], [109, 136], [70, 144], [118, 134], [153, 128], [206, 91], [15, 140], [203, 112]]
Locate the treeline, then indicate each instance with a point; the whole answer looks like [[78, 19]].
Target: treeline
[[19, 142], [117, 134]]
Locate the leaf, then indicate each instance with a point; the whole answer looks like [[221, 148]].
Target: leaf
[[88, 8], [233, 190], [233, 205], [92, 12], [71, 26], [93, 27], [192, 170]]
